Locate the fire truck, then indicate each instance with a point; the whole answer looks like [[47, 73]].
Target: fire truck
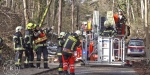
[[99, 50]]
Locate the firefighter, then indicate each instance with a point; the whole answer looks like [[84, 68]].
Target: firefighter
[[108, 31], [71, 42], [41, 46], [18, 45], [61, 41], [121, 19], [29, 37]]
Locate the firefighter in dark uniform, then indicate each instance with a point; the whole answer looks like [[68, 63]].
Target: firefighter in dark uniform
[[108, 31], [40, 43], [29, 37], [121, 19], [71, 42], [18, 45], [61, 41]]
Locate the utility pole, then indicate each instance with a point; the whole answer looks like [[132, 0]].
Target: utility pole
[[60, 16], [146, 31], [72, 15]]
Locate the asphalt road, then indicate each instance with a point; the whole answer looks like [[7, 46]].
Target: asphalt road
[[102, 70]]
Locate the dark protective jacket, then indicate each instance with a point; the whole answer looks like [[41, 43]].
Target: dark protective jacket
[[108, 32], [29, 37], [18, 41], [71, 42], [61, 42]]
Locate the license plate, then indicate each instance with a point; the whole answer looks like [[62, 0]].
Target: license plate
[[136, 50]]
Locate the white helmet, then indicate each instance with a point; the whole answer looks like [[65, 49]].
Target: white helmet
[[62, 34], [19, 28], [78, 32], [107, 23]]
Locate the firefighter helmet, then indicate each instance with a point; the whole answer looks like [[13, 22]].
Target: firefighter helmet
[[62, 34], [78, 32], [29, 25], [35, 25], [107, 24], [120, 11], [19, 28]]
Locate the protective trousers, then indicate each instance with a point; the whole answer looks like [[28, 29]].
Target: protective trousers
[[40, 50], [29, 57], [60, 68], [68, 60], [18, 57], [59, 54]]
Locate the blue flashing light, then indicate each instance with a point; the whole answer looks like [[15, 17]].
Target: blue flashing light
[[83, 52]]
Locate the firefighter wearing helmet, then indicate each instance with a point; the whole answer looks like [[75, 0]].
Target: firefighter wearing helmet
[[18, 45], [29, 37], [61, 41], [109, 30], [71, 42], [121, 19], [40, 45]]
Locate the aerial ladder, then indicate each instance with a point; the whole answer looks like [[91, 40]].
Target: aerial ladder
[[99, 50]]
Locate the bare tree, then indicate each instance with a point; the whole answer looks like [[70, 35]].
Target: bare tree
[[128, 14], [48, 15], [60, 16], [146, 31], [72, 15], [25, 12]]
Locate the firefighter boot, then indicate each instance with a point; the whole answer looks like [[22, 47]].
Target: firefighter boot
[[26, 65], [46, 66], [38, 65], [66, 72], [61, 73], [72, 73], [18, 67], [31, 65]]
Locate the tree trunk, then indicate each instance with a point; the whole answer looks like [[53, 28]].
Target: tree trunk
[[60, 16], [142, 9], [146, 31], [25, 12], [128, 10], [32, 8], [72, 16], [77, 17], [113, 6], [48, 15], [132, 13]]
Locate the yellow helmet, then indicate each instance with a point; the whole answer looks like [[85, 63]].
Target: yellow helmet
[[29, 25], [35, 25]]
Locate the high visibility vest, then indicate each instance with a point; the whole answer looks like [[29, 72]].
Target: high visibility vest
[[41, 38]]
